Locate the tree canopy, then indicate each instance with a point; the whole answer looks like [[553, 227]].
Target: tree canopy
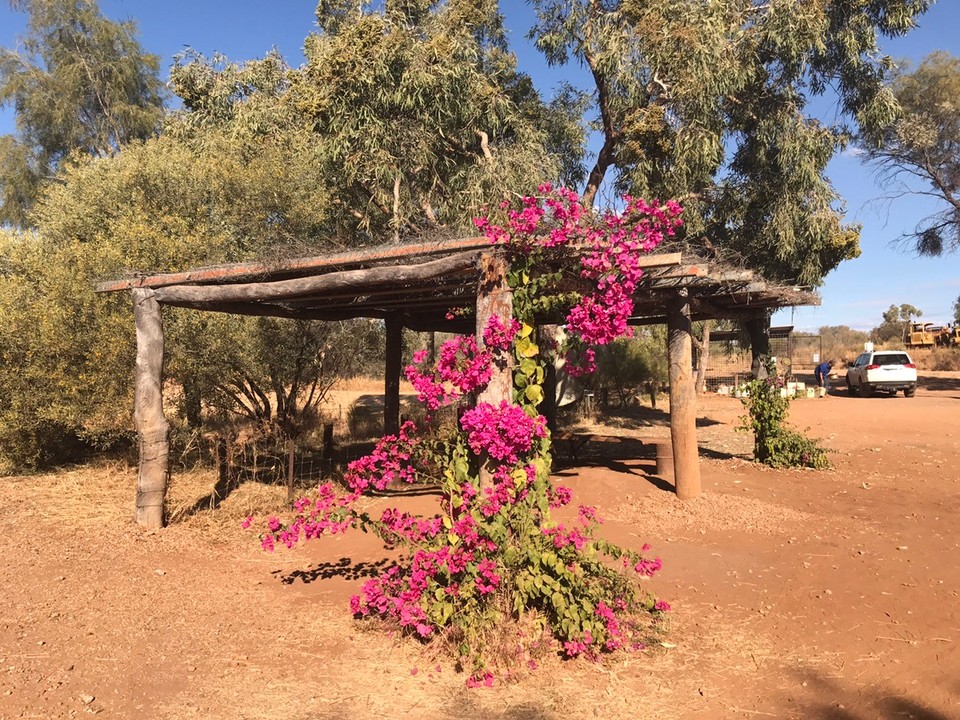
[[79, 84], [923, 146], [707, 102], [415, 117], [398, 122], [895, 321]]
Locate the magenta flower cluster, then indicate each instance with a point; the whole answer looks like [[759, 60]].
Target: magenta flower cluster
[[462, 368], [612, 262], [391, 461], [499, 335], [503, 432]]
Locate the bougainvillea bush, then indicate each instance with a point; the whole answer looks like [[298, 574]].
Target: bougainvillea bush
[[494, 557]]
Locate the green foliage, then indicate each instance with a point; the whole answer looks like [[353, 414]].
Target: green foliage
[[924, 144], [160, 205], [956, 311], [706, 102], [413, 119], [629, 366], [774, 444], [62, 379], [895, 321], [79, 83]]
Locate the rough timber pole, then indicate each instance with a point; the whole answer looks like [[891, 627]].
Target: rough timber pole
[[495, 298], [148, 411], [683, 410], [391, 375]]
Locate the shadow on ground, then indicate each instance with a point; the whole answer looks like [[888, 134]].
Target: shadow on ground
[[836, 702], [343, 568], [637, 417], [463, 705], [941, 384]]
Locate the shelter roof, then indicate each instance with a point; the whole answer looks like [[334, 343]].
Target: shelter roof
[[426, 281]]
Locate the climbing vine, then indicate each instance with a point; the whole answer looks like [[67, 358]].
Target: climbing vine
[[495, 555]]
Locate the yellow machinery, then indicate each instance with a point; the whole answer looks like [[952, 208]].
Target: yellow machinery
[[949, 336], [922, 335]]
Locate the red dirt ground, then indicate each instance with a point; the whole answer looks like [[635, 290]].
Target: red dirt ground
[[796, 594]]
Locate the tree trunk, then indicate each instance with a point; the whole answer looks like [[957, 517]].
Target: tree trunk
[[192, 404], [758, 329], [148, 412], [547, 336], [703, 359], [683, 399]]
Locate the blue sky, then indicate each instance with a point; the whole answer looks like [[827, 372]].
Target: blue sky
[[855, 294]]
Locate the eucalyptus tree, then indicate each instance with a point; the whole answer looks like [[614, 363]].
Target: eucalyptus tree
[[400, 121], [415, 114], [709, 102], [79, 83], [919, 153]]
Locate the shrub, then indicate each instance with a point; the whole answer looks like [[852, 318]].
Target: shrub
[[774, 444]]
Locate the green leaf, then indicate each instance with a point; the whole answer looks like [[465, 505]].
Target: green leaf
[[534, 393]]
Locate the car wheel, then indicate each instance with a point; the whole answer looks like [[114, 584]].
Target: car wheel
[[851, 390], [866, 390], [910, 392]]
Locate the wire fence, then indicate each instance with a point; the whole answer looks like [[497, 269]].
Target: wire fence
[[729, 361]]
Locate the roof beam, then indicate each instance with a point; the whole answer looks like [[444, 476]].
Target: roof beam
[[369, 279]]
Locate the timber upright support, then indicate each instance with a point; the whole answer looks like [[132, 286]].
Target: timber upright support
[[151, 424], [683, 409], [495, 298], [391, 375]]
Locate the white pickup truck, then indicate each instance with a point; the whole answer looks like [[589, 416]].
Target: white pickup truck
[[887, 370]]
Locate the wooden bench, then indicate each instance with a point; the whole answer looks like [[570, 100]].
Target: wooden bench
[[573, 442]]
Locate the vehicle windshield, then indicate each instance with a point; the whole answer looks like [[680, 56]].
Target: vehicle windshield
[[891, 359]]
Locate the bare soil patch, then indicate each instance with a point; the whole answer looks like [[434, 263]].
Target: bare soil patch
[[796, 594]]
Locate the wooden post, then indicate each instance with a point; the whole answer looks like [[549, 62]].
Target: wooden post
[[683, 410], [290, 474], [547, 335], [148, 415], [703, 359], [391, 375], [495, 298]]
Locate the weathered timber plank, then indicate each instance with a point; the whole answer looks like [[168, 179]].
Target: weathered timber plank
[[358, 280], [151, 424]]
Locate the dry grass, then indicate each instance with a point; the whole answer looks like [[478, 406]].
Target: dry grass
[[937, 359]]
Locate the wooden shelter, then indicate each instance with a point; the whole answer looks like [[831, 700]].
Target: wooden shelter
[[417, 286]]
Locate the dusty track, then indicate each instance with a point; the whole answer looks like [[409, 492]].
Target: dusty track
[[796, 594]]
